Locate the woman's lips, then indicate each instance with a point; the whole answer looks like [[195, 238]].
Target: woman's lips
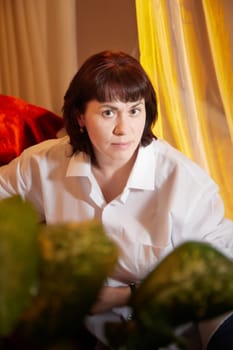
[[121, 145]]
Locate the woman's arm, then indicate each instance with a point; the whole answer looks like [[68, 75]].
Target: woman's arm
[[111, 297]]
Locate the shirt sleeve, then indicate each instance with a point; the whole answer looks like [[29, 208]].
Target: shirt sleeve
[[19, 177], [204, 220], [11, 182]]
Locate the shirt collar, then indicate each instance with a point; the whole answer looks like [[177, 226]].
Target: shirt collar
[[79, 165], [141, 177]]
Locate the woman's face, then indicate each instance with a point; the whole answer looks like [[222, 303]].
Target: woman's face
[[114, 128]]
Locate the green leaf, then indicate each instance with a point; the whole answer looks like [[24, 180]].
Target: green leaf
[[192, 283], [76, 258], [19, 258]]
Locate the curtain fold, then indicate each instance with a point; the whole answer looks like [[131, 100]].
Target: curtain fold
[[218, 15], [38, 49], [186, 48]]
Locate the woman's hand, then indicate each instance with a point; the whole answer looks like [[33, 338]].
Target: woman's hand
[[110, 297]]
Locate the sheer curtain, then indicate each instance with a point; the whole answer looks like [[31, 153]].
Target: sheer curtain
[[38, 49], [186, 46]]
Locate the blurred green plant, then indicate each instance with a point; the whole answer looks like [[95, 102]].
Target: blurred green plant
[[191, 284], [51, 275], [19, 257]]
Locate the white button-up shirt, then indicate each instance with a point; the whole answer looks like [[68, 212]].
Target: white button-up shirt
[[167, 199]]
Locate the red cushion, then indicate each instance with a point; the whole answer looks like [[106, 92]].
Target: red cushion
[[22, 125]]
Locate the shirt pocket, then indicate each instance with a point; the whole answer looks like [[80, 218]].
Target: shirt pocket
[[139, 253]]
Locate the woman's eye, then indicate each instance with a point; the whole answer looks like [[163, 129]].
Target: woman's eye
[[135, 111], [108, 113]]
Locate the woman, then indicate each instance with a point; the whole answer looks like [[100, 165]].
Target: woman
[[111, 167]]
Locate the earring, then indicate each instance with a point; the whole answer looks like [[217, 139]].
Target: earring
[[81, 130]]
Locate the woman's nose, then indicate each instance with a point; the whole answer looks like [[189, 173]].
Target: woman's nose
[[120, 127]]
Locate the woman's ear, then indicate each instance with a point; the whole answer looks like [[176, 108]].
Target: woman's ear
[[81, 120]]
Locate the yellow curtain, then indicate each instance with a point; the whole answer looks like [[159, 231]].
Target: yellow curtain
[[186, 47]]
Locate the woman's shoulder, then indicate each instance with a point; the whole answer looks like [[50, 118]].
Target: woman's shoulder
[[51, 147], [169, 160], [45, 154]]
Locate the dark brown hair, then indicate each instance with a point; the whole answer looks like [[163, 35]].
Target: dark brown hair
[[107, 76]]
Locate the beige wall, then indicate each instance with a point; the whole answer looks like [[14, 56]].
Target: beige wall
[[106, 24]]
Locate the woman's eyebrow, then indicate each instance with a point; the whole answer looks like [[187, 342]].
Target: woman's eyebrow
[[137, 104], [106, 105], [109, 105]]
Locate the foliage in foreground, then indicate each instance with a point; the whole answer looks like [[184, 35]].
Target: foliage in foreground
[[51, 275]]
